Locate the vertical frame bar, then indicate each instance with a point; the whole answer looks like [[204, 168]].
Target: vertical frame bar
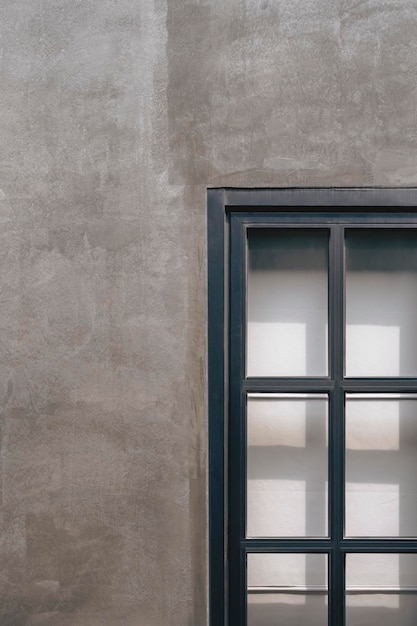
[[338, 440], [337, 588], [237, 443], [217, 403]]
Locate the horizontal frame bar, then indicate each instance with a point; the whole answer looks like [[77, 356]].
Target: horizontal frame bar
[[318, 196], [306, 385], [322, 589]]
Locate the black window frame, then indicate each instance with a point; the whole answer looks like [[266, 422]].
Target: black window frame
[[230, 213]]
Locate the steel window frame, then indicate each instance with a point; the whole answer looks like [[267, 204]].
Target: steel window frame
[[230, 213]]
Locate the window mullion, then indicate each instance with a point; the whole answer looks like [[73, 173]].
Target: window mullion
[[336, 440]]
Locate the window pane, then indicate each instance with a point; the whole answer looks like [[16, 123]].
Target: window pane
[[287, 590], [381, 302], [287, 303], [381, 465], [381, 589], [287, 465]]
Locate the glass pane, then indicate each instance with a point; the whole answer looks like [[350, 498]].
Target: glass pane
[[287, 465], [287, 589], [381, 589], [381, 302], [287, 303], [381, 465]]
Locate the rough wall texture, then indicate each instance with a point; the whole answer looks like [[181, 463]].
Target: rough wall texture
[[115, 117]]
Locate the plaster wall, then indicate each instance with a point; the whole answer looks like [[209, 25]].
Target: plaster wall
[[116, 115]]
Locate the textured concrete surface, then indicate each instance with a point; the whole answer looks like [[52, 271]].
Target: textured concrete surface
[[116, 115]]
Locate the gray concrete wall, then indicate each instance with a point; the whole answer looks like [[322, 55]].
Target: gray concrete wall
[[115, 117]]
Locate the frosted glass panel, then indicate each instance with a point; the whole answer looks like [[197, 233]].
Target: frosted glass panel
[[381, 589], [287, 590], [381, 303], [287, 303], [381, 465], [287, 465]]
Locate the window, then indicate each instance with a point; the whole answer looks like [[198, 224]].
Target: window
[[313, 407]]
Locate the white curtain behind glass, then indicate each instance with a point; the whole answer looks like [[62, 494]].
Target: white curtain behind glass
[[287, 303], [381, 303]]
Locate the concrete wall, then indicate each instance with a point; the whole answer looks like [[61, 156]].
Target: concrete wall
[[115, 117]]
